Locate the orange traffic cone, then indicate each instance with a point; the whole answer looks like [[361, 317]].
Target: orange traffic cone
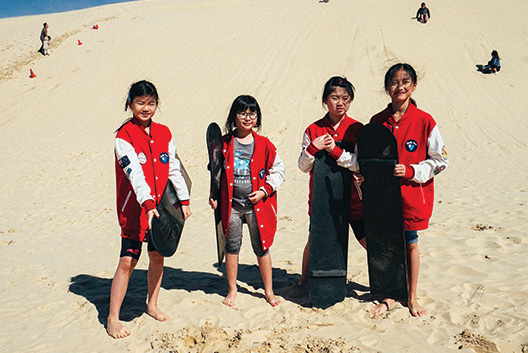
[[79, 42], [32, 74]]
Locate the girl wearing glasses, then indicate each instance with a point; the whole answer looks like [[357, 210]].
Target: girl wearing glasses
[[252, 173], [422, 155]]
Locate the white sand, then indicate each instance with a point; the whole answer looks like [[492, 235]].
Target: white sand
[[59, 238]]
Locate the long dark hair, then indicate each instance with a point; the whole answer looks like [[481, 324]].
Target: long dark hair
[[391, 72], [240, 105]]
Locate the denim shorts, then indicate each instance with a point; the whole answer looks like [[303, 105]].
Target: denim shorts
[[411, 236]]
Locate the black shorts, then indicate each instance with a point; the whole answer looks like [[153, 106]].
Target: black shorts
[[132, 248], [358, 227]]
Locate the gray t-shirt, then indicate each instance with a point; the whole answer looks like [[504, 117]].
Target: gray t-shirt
[[242, 173]]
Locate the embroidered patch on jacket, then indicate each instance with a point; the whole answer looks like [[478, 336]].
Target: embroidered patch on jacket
[[444, 153], [262, 173], [439, 169], [127, 173], [124, 162], [164, 157], [411, 145], [142, 158]]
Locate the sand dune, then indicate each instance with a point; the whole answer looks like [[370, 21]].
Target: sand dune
[[59, 238]]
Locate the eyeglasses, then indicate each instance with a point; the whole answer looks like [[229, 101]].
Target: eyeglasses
[[252, 115]]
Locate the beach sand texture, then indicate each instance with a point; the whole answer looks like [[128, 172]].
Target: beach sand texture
[[59, 237]]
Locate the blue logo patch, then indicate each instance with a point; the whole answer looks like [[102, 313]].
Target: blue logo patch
[[128, 171], [262, 173], [164, 158], [411, 145], [124, 162]]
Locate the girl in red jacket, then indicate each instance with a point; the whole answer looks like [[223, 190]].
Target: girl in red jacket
[[145, 162], [252, 173], [336, 125], [422, 155]]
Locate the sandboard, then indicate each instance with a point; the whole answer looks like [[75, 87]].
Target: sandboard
[[167, 229], [216, 161], [383, 212], [331, 188]]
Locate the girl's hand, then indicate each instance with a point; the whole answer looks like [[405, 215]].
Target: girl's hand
[[186, 209], [399, 170], [256, 196], [150, 215], [213, 203], [320, 142], [359, 178], [330, 144]]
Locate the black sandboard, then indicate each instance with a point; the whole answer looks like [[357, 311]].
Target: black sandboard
[[383, 211], [167, 229], [216, 161], [331, 187]]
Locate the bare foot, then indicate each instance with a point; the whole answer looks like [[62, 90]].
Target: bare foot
[[272, 299], [383, 307], [158, 314], [416, 309], [230, 299], [115, 329]]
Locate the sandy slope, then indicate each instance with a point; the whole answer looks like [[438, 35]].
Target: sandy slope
[[58, 231]]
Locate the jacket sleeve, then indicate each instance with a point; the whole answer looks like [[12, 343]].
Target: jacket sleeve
[[275, 175], [129, 163], [306, 159], [436, 158], [347, 159], [176, 176]]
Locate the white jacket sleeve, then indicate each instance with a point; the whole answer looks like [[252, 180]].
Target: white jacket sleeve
[[436, 158], [176, 176], [306, 160], [276, 173], [133, 170], [348, 160]]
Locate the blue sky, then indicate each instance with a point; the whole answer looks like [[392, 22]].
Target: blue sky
[[14, 8]]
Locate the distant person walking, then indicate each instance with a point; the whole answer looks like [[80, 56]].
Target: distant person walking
[[43, 37], [423, 15]]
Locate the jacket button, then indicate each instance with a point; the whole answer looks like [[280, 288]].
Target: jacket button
[[154, 159], [231, 184], [258, 209], [261, 226], [254, 178]]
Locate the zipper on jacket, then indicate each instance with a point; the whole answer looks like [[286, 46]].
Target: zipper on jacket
[[423, 196], [126, 200]]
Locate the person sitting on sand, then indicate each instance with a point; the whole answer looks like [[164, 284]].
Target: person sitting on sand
[[494, 65], [423, 14]]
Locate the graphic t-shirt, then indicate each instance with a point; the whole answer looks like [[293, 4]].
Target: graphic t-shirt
[[242, 173]]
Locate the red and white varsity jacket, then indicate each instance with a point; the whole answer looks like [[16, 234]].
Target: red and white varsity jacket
[[346, 131], [144, 164], [267, 172], [422, 150]]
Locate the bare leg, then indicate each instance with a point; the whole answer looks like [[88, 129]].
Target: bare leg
[[119, 287], [413, 259], [266, 273], [305, 263], [232, 272], [154, 276]]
